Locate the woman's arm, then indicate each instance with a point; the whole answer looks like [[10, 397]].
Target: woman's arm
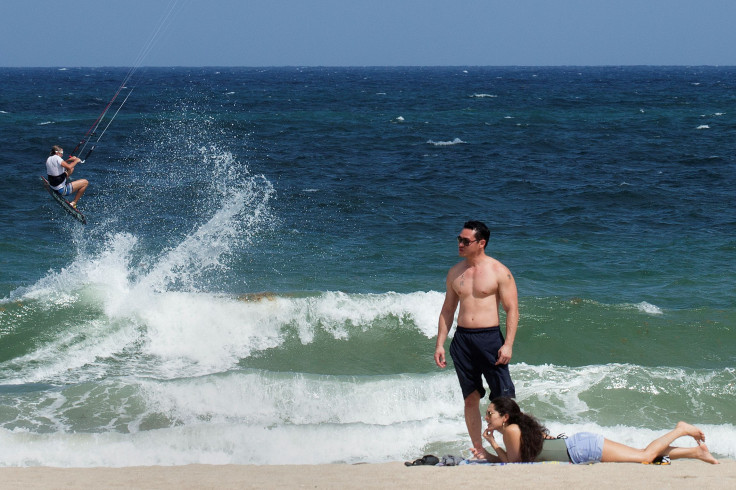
[[502, 457], [512, 440]]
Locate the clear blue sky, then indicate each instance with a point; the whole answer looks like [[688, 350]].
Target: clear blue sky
[[368, 32]]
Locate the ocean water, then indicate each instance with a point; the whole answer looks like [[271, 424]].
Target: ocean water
[[263, 266]]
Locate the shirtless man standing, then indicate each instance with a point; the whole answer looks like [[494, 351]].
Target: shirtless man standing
[[480, 284]]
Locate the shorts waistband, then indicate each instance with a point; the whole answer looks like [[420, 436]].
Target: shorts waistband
[[476, 330]]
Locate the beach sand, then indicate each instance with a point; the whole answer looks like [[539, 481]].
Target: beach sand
[[680, 474]]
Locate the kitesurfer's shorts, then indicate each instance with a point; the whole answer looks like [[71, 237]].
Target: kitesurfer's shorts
[[585, 447], [66, 190], [474, 352]]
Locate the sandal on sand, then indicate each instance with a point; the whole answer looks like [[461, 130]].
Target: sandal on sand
[[661, 460], [427, 460]]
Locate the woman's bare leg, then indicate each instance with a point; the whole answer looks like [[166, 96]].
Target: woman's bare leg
[[617, 452], [700, 452]]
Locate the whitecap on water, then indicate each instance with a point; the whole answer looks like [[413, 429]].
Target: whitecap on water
[[645, 307], [456, 141]]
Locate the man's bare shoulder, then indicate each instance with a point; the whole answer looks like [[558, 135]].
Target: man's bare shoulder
[[458, 268], [497, 267]]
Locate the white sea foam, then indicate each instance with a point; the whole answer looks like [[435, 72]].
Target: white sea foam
[[189, 333], [649, 308], [482, 96], [74, 352], [456, 141], [259, 417], [234, 443], [703, 126]]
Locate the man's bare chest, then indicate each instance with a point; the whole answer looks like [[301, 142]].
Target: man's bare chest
[[475, 284]]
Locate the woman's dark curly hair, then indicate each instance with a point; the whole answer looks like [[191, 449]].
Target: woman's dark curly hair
[[532, 432]]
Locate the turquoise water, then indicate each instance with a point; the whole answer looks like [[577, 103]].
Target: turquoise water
[[264, 262]]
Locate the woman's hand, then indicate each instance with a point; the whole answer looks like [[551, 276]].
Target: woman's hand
[[488, 435]]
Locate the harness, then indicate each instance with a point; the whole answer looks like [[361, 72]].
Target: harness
[[57, 180]]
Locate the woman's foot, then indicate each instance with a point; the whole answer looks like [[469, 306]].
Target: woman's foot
[[692, 431], [705, 455]]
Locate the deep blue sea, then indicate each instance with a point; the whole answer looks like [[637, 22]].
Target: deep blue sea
[[263, 266]]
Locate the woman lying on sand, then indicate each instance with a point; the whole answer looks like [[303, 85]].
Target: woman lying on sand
[[526, 440]]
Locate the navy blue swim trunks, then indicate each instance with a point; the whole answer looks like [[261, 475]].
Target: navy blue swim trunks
[[474, 352]]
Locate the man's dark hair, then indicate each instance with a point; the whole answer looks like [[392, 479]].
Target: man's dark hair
[[480, 230]]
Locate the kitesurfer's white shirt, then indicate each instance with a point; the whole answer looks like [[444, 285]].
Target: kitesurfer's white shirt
[[53, 167]]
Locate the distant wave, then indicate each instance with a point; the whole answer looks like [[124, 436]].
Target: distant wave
[[456, 141], [649, 308], [481, 96], [703, 126]]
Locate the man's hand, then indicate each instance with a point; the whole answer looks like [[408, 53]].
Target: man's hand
[[439, 357], [504, 354]]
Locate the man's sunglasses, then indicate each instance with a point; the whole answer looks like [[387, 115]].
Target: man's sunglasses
[[465, 241]]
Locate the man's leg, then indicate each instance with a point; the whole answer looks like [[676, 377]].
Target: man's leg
[[473, 420], [79, 186]]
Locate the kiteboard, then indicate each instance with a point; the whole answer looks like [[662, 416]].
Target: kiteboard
[[64, 203]]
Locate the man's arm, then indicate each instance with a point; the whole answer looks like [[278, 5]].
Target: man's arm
[[447, 315], [69, 164], [510, 301]]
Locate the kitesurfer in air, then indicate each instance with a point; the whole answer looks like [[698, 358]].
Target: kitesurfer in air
[[59, 171]]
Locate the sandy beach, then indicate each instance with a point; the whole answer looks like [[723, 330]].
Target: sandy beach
[[680, 474]]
